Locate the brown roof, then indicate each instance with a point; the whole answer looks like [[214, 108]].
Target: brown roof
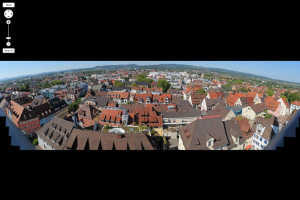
[[184, 105], [257, 108], [56, 132], [219, 110], [20, 113], [245, 127], [195, 135], [130, 107], [92, 140], [87, 111], [247, 101], [233, 129]]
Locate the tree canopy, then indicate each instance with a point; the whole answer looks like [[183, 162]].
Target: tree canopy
[[270, 92], [201, 91], [165, 85], [142, 78], [119, 84]]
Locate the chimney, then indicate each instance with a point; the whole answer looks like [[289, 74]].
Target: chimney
[[119, 135]]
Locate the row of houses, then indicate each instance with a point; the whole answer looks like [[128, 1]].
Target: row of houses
[[31, 117]]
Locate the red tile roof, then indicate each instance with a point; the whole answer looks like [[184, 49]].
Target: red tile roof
[[272, 104], [232, 99], [240, 95], [297, 103], [118, 95], [148, 116]]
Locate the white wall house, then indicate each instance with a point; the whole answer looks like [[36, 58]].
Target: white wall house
[[258, 141], [295, 106], [284, 109]]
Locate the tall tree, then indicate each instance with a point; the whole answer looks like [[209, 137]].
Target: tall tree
[[270, 92], [201, 91], [165, 85]]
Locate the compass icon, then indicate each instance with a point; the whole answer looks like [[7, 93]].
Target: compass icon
[[8, 14]]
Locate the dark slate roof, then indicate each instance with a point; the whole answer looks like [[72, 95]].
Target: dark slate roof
[[142, 83], [57, 103], [195, 135], [56, 132], [43, 110], [180, 114], [121, 88]]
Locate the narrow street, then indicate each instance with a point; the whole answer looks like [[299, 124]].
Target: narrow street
[[17, 137]]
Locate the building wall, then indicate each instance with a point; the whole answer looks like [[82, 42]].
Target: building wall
[[248, 142], [258, 101], [294, 107], [203, 105], [276, 113], [30, 126], [248, 113], [258, 142], [261, 114], [238, 102], [229, 116], [238, 146], [159, 130], [180, 144], [44, 144], [62, 113]]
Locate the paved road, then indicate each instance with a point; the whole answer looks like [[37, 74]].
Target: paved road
[[17, 137]]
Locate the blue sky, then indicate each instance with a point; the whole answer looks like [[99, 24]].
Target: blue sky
[[283, 70]]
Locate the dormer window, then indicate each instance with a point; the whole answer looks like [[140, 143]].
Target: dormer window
[[259, 128], [209, 143]]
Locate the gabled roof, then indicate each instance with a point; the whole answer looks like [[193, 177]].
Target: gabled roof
[[20, 113], [232, 99], [92, 140], [272, 104], [257, 108], [297, 103], [87, 111], [268, 132], [56, 132], [245, 127], [233, 129], [195, 135], [247, 101]]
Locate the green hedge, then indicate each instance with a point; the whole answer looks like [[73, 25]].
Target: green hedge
[[35, 142]]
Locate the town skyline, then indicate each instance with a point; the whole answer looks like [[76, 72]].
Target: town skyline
[[279, 70]]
